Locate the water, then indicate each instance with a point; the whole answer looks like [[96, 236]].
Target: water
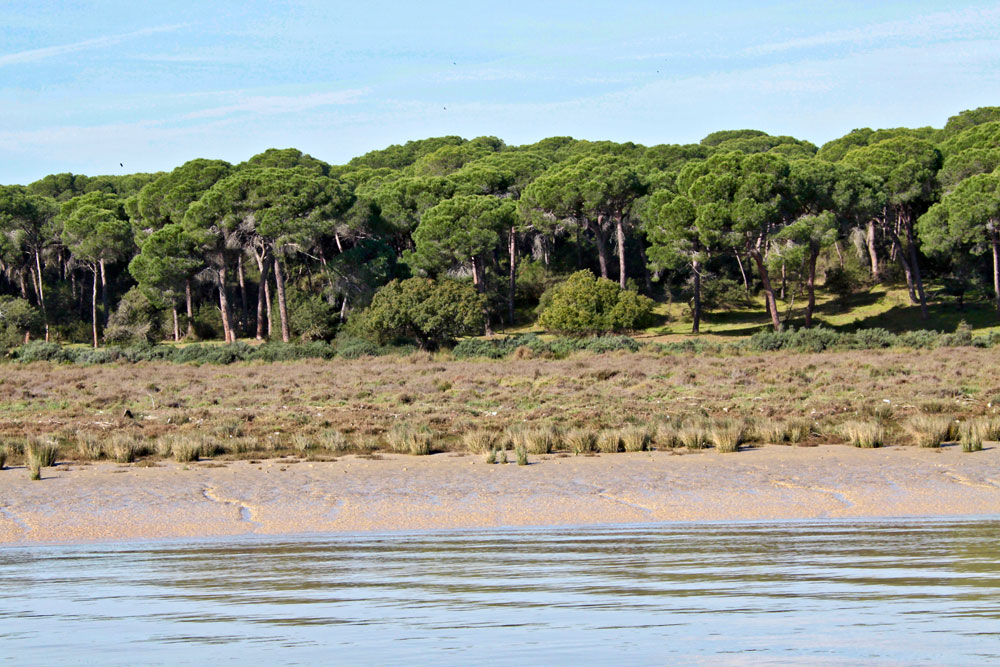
[[838, 592]]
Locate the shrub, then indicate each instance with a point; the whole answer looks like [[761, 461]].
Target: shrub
[[17, 318], [584, 304], [135, 320], [311, 317], [431, 312], [41, 351], [692, 435]]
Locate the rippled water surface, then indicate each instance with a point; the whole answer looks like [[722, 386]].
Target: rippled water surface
[[836, 592]]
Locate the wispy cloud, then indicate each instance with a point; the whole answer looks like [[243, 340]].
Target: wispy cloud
[[280, 104], [941, 25], [96, 43]]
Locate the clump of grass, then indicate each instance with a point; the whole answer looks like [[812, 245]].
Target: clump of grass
[[502, 456], [726, 435], [34, 468], [798, 430], [581, 440], [541, 440], [522, 455], [491, 456], [929, 430], [866, 434], [186, 448], [666, 434], [768, 431], [304, 442], [479, 441], [692, 435], [42, 450], [882, 413], [609, 441], [232, 428], [635, 438], [3, 456], [404, 439], [124, 448], [333, 440], [163, 447], [971, 436], [89, 447]]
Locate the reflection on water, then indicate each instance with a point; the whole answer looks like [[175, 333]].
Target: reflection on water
[[841, 592]]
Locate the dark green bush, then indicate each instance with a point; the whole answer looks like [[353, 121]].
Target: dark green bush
[[584, 305]]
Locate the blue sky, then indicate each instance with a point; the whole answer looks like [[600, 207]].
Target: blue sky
[[85, 86]]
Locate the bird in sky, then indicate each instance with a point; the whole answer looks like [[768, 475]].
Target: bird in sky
[[121, 164]]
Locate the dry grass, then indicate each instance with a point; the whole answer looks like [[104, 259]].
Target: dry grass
[[581, 440], [930, 430], [124, 447], [259, 409], [406, 439], [42, 451], [479, 441], [867, 434], [727, 435], [973, 432], [636, 438], [609, 441]]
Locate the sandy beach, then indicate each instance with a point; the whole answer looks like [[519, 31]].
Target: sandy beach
[[111, 502]]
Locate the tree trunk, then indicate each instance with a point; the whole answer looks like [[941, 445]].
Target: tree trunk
[[772, 304], [908, 224], [746, 283], [343, 309], [477, 281], [996, 268], [227, 321], [840, 254], [177, 324], [602, 248], [279, 283], [243, 293], [93, 308], [872, 252], [579, 249], [512, 283], [645, 268], [811, 287], [620, 230], [41, 295], [264, 264], [901, 256], [696, 309], [784, 281], [190, 308], [269, 302], [104, 295]]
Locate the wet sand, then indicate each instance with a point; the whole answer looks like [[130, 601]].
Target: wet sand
[[111, 502]]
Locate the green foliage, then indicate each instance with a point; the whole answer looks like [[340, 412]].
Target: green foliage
[[585, 305], [432, 312], [17, 318], [136, 320], [311, 316]]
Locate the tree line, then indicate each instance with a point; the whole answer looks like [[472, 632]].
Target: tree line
[[287, 246]]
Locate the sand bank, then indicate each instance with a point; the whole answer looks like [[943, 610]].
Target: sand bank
[[111, 502]]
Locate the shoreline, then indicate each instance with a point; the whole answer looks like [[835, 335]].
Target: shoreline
[[109, 503]]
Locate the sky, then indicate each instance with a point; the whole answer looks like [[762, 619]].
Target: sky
[[122, 87]]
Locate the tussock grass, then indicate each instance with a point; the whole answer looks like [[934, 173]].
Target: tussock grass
[[522, 455], [34, 468], [727, 435], [975, 431], [798, 430], [609, 441], [636, 438], [929, 430], [186, 448], [768, 431], [542, 440], [479, 441], [491, 456], [3, 456], [42, 450], [304, 442], [89, 447], [693, 435], [866, 434], [666, 434], [581, 440], [124, 448], [405, 439], [502, 456]]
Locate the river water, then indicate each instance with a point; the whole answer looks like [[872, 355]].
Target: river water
[[834, 592]]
